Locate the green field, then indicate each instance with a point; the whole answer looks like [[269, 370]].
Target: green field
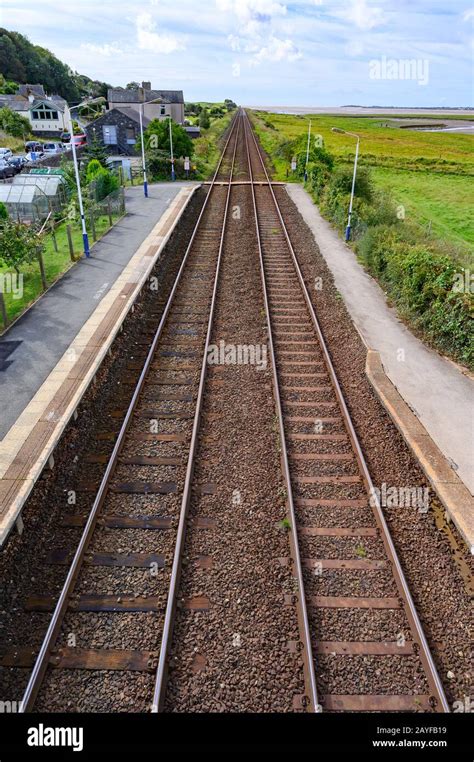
[[429, 173], [441, 202]]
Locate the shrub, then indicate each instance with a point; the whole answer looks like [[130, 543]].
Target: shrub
[[104, 183], [94, 168], [204, 121], [13, 123], [419, 278], [341, 182]]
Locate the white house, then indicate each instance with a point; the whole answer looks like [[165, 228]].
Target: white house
[[48, 115]]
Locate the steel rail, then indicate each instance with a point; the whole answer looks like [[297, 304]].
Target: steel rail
[[168, 627], [311, 694], [43, 658], [426, 657]]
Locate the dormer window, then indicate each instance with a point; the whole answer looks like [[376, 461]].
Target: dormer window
[[44, 113]]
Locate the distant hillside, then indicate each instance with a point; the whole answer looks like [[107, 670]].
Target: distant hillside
[[21, 62]]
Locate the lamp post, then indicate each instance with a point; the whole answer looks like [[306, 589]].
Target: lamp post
[[173, 176], [85, 238], [352, 134], [307, 153], [140, 111]]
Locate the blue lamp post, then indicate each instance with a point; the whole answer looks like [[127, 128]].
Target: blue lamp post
[[352, 134]]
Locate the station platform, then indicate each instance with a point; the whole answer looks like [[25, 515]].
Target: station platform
[[50, 355], [429, 397]]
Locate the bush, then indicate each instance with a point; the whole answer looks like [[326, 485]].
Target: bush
[[419, 278], [3, 212], [13, 123], [204, 121], [94, 168], [103, 184], [341, 182]]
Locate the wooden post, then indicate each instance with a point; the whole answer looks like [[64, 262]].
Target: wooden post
[[3, 309], [92, 217], [109, 209], [43, 274], [53, 236], [69, 240]]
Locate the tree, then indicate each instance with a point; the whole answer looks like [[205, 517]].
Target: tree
[[96, 150], [21, 61], [18, 244], [230, 105], [157, 136], [132, 86], [94, 167], [13, 123], [204, 121]]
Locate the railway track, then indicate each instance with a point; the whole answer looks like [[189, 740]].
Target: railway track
[[120, 581], [158, 433], [332, 504]]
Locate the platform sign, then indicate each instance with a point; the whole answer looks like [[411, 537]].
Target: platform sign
[[186, 163], [293, 164]]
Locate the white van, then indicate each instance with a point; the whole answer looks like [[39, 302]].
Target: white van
[[53, 147]]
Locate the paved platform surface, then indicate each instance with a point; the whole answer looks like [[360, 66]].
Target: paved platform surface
[[35, 343], [439, 393], [28, 444]]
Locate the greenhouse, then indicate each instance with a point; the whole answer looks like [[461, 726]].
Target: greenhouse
[[25, 202], [53, 186]]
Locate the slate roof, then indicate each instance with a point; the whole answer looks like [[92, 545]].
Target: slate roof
[[139, 96]]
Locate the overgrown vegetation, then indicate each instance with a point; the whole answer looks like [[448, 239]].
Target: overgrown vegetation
[[13, 123], [427, 283]]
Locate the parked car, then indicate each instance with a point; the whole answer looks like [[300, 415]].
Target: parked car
[[18, 162], [6, 170], [33, 145], [65, 137], [79, 140], [5, 153], [53, 147]]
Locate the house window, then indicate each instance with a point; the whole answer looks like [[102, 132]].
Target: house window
[[109, 132], [44, 112], [163, 110], [130, 135]]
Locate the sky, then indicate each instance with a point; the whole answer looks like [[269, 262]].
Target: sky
[[265, 52]]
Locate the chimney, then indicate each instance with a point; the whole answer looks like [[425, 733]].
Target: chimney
[[31, 98], [146, 85]]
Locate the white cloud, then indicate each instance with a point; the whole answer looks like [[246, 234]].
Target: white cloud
[[468, 15], [149, 39], [258, 22], [363, 15], [278, 50], [106, 50], [256, 10]]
